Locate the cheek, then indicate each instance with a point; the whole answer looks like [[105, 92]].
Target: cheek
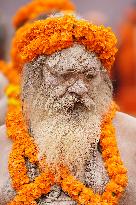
[[50, 80], [94, 84], [96, 81]]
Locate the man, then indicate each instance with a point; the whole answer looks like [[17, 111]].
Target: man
[[66, 91]]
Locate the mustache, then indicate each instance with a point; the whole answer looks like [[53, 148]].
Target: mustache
[[70, 100], [88, 102]]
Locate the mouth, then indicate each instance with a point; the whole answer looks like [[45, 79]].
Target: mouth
[[71, 102], [79, 106]]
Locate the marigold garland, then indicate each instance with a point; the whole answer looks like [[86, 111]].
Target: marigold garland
[[37, 7], [24, 147], [116, 170], [54, 34]]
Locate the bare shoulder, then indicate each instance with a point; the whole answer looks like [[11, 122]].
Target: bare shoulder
[[5, 149], [3, 109], [125, 123], [6, 190], [125, 126]]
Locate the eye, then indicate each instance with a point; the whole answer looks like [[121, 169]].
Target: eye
[[67, 76], [89, 76]]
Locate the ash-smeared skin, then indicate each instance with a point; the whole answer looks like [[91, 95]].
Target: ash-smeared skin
[[55, 197], [66, 95], [79, 66], [32, 170], [7, 193], [3, 98]]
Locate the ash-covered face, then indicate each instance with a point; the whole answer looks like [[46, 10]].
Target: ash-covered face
[[64, 98]]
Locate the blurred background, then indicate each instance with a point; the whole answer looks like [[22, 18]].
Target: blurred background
[[118, 14]]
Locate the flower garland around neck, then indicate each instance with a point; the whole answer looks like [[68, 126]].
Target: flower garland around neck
[[28, 192], [23, 147], [114, 165]]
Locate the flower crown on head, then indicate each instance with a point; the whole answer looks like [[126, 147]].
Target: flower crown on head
[[38, 7], [56, 33]]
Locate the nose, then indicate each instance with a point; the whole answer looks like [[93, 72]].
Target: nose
[[78, 88]]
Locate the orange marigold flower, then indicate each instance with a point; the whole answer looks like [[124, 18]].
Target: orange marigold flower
[[56, 33]]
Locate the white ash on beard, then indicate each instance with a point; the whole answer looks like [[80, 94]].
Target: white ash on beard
[[67, 140]]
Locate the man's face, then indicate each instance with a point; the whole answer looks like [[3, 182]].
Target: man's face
[[64, 98], [69, 81]]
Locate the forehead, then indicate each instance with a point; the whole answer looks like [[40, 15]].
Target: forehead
[[75, 58]]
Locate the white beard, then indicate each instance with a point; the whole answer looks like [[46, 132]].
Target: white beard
[[66, 138], [67, 141]]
